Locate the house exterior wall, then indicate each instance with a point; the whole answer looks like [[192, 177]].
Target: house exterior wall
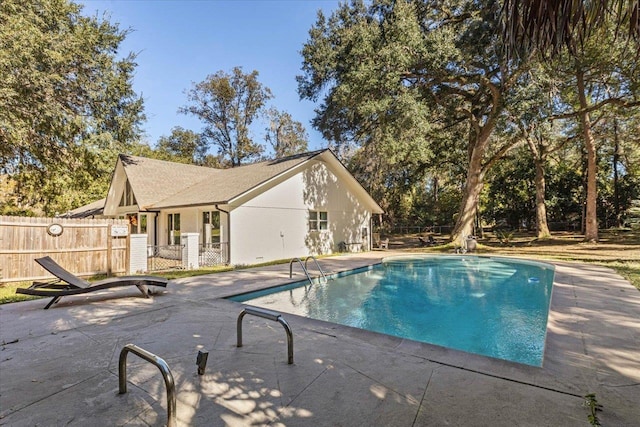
[[275, 223]]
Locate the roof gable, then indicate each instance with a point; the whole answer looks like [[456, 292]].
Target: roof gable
[[232, 182], [159, 184], [154, 180]]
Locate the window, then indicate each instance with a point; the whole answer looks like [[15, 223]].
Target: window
[[318, 220], [143, 224], [128, 199], [174, 229], [210, 227]]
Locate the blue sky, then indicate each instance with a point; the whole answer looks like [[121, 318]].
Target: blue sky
[[179, 43]]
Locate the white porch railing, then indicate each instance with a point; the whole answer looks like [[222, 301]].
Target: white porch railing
[[212, 254], [164, 257], [186, 256]]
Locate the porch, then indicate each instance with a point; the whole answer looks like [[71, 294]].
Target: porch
[[189, 254]]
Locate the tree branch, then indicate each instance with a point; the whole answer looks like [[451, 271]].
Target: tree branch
[[615, 101]]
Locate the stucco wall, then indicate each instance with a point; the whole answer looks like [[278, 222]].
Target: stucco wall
[[274, 224]]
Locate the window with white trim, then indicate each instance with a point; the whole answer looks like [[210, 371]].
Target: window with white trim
[[318, 220]]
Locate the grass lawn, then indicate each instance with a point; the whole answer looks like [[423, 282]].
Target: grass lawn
[[619, 250]]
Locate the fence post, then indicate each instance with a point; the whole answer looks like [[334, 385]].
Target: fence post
[[109, 249], [189, 242]]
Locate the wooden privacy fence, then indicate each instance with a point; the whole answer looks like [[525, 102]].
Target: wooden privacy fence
[[84, 246]]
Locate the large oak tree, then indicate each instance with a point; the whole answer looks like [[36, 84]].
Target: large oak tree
[[403, 80], [67, 106]]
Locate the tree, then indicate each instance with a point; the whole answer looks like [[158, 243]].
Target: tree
[[529, 115], [285, 135], [593, 77], [551, 25], [67, 106], [184, 146], [408, 77], [228, 104]]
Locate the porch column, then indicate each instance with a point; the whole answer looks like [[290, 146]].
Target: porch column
[[137, 253], [189, 242]]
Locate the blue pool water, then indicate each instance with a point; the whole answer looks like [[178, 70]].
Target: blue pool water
[[496, 307]]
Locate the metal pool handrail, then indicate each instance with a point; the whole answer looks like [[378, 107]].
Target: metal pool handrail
[[271, 315], [303, 268], [317, 265], [164, 369]]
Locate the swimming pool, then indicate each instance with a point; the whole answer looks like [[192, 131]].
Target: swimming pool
[[492, 306]]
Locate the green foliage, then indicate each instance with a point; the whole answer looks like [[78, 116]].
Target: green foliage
[[285, 135], [630, 270], [415, 91], [357, 59], [184, 146], [592, 404], [504, 235], [633, 215], [415, 87], [565, 196], [10, 204], [517, 206], [8, 292], [66, 102], [228, 104], [618, 166], [552, 26], [597, 85]]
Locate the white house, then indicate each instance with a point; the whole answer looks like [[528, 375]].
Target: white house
[[306, 204]]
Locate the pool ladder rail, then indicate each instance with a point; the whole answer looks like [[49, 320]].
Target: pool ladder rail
[[164, 369], [306, 271]]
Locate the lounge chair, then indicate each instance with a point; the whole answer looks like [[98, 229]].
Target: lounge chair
[[70, 284]]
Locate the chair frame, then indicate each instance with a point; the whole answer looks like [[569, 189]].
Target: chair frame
[[67, 283]]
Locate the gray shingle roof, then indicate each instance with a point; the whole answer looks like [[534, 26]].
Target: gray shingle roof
[[86, 211], [161, 184]]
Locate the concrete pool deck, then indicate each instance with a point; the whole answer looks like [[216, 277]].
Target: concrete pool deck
[[60, 366]]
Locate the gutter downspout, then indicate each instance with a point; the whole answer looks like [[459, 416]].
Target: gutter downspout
[[370, 236], [228, 231]]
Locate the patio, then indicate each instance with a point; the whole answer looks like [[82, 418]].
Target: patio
[[60, 366]]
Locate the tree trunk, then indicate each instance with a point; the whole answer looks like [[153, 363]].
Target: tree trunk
[[542, 227], [472, 189], [591, 218], [616, 162], [539, 156]]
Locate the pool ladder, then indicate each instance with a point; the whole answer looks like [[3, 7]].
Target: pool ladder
[[304, 268], [164, 369]]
